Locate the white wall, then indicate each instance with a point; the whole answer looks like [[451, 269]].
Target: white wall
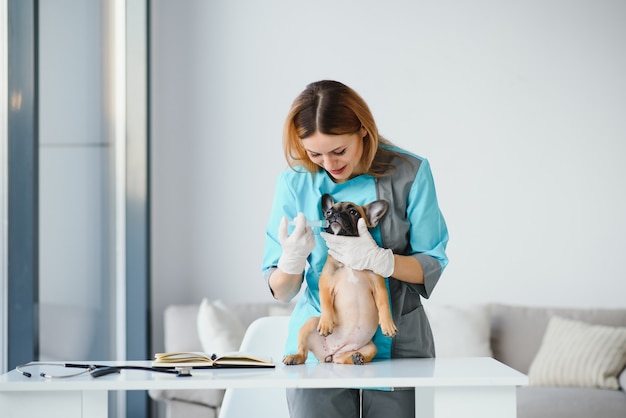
[[520, 107]]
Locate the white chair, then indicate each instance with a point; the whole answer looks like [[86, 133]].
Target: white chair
[[266, 336]]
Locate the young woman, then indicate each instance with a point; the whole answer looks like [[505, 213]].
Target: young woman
[[332, 145]]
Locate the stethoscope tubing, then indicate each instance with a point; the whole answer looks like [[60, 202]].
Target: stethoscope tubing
[[96, 370]]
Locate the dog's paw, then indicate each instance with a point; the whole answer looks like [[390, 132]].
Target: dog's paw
[[358, 359], [326, 326], [389, 329], [293, 359]]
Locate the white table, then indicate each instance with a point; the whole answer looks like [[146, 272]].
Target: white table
[[445, 387]]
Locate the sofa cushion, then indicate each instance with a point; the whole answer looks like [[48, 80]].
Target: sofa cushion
[[550, 402], [574, 353], [459, 331], [211, 398], [219, 329], [180, 328], [517, 331], [182, 409]]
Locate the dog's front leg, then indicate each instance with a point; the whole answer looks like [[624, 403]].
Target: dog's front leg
[[381, 297], [327, 323]]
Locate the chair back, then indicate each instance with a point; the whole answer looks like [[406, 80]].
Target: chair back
[[266, 337]]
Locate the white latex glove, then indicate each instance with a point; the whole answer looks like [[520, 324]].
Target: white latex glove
[[296, 247], [360, 253]]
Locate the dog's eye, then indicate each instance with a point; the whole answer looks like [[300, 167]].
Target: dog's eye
[[353, 212], [329, 212]]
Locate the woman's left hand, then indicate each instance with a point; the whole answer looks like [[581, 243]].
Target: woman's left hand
[[360, 253]]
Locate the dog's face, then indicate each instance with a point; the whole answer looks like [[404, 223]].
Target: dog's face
[[342, 217]]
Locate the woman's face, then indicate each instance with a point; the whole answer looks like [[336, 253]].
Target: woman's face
[[339, 155]]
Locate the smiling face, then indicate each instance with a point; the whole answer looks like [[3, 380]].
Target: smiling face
[[339, 155]]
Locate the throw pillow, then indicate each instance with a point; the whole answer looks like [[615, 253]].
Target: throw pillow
[[574, 353], [219, 330], [460, 331]]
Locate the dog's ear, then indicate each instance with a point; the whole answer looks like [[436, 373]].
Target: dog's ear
[[327, 202], [375, 211]]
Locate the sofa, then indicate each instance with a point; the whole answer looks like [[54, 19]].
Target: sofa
[[525, 338], [517, 334]]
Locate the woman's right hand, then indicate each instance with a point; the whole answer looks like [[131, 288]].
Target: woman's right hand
[[286, 280], [296, 247]]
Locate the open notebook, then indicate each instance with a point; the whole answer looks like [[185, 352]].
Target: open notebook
[[203, 360]]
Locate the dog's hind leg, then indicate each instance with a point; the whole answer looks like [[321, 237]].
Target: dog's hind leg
[[308, 330], [364, 355]]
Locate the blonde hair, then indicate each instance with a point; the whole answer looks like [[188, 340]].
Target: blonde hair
[[332, 108]]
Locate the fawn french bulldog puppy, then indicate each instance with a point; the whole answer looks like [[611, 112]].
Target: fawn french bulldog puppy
[[353, 302]]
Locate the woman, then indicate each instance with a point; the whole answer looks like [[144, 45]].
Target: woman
[[332, 145]]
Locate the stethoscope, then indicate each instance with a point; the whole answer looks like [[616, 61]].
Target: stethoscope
[[96, 370]]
